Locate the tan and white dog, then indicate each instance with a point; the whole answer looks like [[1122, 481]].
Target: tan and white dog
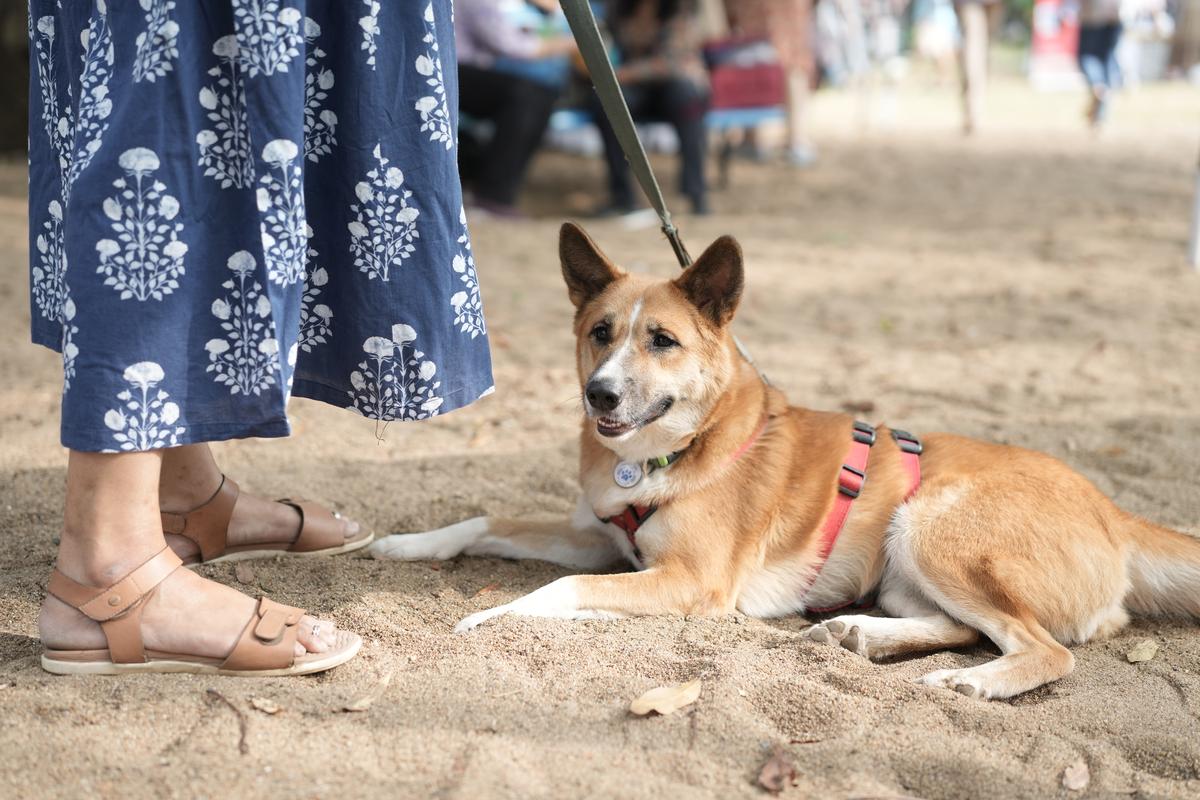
[[997, 540]]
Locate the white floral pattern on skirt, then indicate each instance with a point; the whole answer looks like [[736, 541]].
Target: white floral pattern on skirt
[[237, 200]]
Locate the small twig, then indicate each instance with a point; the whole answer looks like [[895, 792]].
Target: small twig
[[243, 747]]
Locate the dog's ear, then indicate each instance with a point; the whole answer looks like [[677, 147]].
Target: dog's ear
[[714, 282], [586, 270]]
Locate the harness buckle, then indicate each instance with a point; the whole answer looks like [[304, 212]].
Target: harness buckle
[[863, 433], [851, 484], [907, 442]]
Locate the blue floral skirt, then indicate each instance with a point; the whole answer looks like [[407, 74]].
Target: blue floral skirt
[[232, 201]]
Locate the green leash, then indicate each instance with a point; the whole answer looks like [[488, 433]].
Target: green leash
[[591, 47]]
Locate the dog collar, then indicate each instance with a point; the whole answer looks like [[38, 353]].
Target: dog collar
[[635, 516], [628, 474]]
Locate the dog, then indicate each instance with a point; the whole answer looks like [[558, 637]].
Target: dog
[[724, 497]]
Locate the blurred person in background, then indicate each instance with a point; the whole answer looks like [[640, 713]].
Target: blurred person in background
[[662, 74], [935, 36], [513, 61], [973, 22], [1099, 33], [788, 25]]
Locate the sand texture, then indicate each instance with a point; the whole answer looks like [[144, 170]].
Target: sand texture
[[1027, 286]]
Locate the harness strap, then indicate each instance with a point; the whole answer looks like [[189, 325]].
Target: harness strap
[[850, 483]]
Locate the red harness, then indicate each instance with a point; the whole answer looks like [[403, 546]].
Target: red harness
[[851, 478]]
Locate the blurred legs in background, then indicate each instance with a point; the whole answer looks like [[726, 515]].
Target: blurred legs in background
[[973, 60], [520, 110], [678, 102], [1098, 60], [801, 152]]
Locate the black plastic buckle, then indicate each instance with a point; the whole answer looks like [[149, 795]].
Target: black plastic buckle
[[907, 442], [850, 491], [863, 433]]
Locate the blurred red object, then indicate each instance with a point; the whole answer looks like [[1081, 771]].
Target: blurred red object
[[744, 73]]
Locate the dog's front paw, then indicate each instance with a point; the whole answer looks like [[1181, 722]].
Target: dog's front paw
[[479, 617], [436, 545]]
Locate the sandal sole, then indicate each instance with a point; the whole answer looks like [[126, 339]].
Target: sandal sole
[[254, 555], [325, 662]]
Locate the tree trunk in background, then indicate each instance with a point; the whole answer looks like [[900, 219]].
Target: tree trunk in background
[[14, 77]]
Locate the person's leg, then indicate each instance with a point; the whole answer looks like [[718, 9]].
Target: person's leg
[[683, 104], [477, 100], [620, 188], [110, 527], [800, 148], [973, 55], [190, 476], [521, 116]]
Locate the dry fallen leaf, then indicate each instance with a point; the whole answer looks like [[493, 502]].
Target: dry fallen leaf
[[1142, 651], [364, 700], [666, 699], [265, 705], [244, 573], [491, 587], [778, 772], [1076, 777]]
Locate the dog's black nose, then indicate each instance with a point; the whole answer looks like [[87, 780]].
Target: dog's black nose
[[601, 396]]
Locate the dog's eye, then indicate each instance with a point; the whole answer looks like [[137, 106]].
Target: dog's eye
[[662, 341], [601, 333]]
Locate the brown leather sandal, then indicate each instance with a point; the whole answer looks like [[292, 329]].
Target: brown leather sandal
[[266, 647], [208, 526]]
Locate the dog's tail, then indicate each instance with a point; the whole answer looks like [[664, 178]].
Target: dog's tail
[[1164, 567]]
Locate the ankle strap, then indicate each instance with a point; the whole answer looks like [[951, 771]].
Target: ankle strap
[[208, 523], [119, 608], [105, 604]]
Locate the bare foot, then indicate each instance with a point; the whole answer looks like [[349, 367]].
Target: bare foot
[[188, 615]]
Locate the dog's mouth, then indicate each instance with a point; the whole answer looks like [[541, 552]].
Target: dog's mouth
[[611, 428]]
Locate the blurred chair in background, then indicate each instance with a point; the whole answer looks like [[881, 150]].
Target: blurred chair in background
[[788, 25], [513, 60]]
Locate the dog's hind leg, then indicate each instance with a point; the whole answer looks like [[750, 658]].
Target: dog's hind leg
[[883, 637], [576, 542]]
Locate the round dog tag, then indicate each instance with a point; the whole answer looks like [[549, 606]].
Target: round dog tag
[[627, 475]]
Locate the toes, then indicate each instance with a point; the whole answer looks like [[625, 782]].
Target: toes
[[957, 680], [320, 642], [819, 634], [475, 620], [855, 641], [836, 632]]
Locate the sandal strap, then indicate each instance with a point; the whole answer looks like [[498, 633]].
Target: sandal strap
[[269, 639], [118, 608], [208, 523], [320, 528]]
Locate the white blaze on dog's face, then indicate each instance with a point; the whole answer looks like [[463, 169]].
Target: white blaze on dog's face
[[653, 356]]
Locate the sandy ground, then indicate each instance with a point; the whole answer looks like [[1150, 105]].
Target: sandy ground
[[1027, 286]]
